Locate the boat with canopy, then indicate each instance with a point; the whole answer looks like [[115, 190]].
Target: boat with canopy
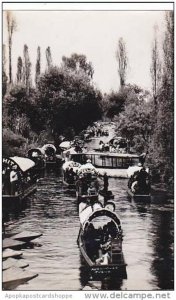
[[88, 184], [51, 158], [70, 170], [100, 240], [38, 156], [18, 177], [139, 185]]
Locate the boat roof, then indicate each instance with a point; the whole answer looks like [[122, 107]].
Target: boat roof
[[46, 146], [23, 163], [104, 212], [71, 164], [108, 154], [90, 213], [38, 150]]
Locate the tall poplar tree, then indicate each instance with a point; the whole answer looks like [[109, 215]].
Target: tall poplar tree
[[155, 69], [4, 76], [122, 59], [11, 28], [49, 58], [26, 69], [38, 67], [19, 70]]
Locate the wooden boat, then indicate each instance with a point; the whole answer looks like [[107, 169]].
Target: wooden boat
[[11, 253], [51, 158], [139, 187], [139, 197], [100, 240], [14, 276], [12, 262], [11, 243], [115, 164], [26, 236], [38, 156], [69, 170], [26, 181], [87, 185]]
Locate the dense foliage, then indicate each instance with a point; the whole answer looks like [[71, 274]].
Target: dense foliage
[[67, 99]]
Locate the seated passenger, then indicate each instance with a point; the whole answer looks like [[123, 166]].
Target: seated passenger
[[104, 259], [91, 190]]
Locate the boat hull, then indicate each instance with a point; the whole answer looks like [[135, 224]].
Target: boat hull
[[139, 197], [19, 196], [71, 186], [83, 198], [98, 272]]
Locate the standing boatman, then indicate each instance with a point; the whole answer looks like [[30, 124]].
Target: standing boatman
[[106, 183]]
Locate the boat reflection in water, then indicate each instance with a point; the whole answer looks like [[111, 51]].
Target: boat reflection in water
[[100, 240]]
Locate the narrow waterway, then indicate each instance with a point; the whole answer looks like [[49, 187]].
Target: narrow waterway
[[52, 210]]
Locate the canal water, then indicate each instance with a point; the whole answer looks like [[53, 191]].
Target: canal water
[[52, 210]]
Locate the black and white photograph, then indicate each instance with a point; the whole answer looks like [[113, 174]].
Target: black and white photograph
[[87, 146]]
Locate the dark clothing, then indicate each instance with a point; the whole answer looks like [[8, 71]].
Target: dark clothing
[[106, 183]]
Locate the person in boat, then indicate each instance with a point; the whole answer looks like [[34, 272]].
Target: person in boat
[[34, 154], [104, 248], [140, 182], [91, 190], [71, 176], [81, 185], [144, 181], [101, 146], [104, 259], [7, 184], [106, 183], [88, 163], [106, 147], [142, 158], [13, 180]]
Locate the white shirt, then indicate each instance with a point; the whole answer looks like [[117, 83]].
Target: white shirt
[[13, 176]]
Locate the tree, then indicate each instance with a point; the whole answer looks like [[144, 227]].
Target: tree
[[122, 59], [134, 123], [4, 76], [78, 63], [67, 99], [155, 70], [37, 67], [11, 28], [113, 104], [48, 58], [162, 143], [26, 69], [19, 70]]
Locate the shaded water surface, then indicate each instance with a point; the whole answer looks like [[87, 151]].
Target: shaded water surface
[[53, 211]]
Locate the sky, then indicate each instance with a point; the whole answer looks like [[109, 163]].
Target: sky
[[93, 33]]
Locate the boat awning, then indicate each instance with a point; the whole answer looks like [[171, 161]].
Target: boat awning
[[86, 211], [40, 151], [65, 145], [89, 214], [87, 168], [23, 163], [49, 146], [71, 164]]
